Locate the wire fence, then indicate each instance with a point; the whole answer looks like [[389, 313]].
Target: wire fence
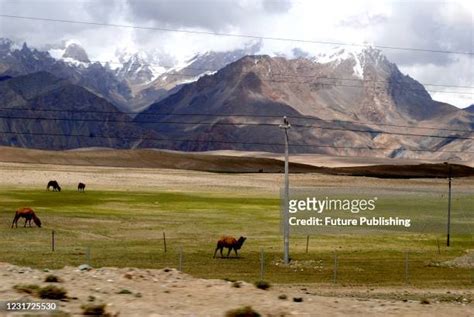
[[438, 266]]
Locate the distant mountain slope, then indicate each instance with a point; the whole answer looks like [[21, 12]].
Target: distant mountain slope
[[42, 111], [15, 61], [132, 83], [362, 87], [172, 79]]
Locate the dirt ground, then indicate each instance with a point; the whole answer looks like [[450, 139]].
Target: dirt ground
[[168, 292], [122, 178]]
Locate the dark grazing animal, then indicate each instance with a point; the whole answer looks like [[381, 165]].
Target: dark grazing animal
[[28, 214], [230, 243], [81, 187], [55, 186]]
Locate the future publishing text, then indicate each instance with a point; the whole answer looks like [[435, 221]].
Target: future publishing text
[[328, 212]]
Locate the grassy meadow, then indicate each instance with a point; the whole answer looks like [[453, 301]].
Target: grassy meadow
[[125, 228]]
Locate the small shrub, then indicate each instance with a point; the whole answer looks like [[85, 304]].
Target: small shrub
[[52, 279], [297, 299], [27, 288], [425, 301], [282, 297], [228, 279], [262, 285], [91, 298], [124, 291], [94, 310], [236, 284], [52, 292], [246, 311]]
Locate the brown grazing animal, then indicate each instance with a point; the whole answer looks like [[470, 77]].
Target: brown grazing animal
[[81, 187], [28, 214], [55, 186], [230, 243]]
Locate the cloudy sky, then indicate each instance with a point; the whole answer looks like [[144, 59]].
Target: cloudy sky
[[414, 25]]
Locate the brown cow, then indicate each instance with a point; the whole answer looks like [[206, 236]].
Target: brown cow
[[230, 243]]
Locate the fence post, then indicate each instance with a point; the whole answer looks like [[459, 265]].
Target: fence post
[[335, 267], [307, 243], [164, 240], [88, 255], [180, 265], [261, 264], [52, 240], [406, 267], [439, 249]]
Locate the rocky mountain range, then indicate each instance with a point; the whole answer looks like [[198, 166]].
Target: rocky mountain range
[[17, 61], [132, 83], [39, 110], [337, 103], [332, 96]]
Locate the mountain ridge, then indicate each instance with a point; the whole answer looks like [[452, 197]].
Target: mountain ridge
[[340, 101], [249, 86], [42, 111]]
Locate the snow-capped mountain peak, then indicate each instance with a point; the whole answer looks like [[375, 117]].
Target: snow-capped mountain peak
[[5, 43], [7, 46], [71, 53], [360, 55], [140, 67], [76, 52]]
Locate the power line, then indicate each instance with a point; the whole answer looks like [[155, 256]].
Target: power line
[[385, 132], [209, 70], [244, 124], [329, 84], [233, 35], [371, 80], [231, 142], [296, 76], [229, 115], [106, 120], [362, 86], [326, 84]]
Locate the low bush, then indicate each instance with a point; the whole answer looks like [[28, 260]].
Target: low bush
[[237, 284], [52, 292], [246, 311], [124, 291], [94, 310], [52, 279], [27, 288], [262, 285]]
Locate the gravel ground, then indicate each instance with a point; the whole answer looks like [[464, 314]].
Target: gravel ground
[[168, 292]]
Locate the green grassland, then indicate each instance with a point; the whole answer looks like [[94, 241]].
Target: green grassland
[[125, 229]]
